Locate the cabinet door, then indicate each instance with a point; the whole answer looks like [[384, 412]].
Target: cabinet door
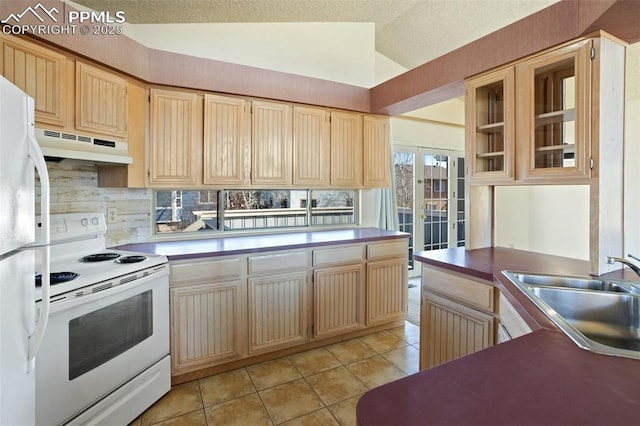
[[553, 113], [346, 149], [277, 311], [207, 324], [310, 147], [175, 141], [387, 288], [101, 101], [449, 330], [338, 300], [226, 140], [377, 152], [511, 322], [132, 175], [40, 73], [490, 135], [271, 162]]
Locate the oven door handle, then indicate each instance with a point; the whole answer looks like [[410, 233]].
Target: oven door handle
[[41, 166]]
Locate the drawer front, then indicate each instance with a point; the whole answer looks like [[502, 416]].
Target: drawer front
[[338, 255], [205, 272], [477, 294], [390, 250], [274, 263]]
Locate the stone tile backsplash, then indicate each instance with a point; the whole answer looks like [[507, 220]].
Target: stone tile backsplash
[[74, 189]]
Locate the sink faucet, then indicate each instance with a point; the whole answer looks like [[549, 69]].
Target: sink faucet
[[611, 260]]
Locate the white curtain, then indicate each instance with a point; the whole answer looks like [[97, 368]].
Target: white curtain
[[387, 210]]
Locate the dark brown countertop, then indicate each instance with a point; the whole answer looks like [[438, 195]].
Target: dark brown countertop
[[224, 246], [539, 378]]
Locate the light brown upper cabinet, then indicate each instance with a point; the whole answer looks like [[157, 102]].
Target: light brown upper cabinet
[[490, 140], [101, 101], [310, 147], [554, 113], [226, 141], [346, 149], [39, 72], [535, 121], [175, 139], [377, 152], [569, 129], [131, 175], [271, 157]]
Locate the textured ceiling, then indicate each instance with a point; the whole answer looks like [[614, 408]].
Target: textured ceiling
[[410, 32]]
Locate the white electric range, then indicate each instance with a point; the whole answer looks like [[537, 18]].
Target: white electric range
[[104, 358]]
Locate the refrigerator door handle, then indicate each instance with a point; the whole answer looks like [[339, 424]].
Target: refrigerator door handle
[[41, 166]]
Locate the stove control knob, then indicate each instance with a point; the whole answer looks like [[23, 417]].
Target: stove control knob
[[84, 222], [95, 221]]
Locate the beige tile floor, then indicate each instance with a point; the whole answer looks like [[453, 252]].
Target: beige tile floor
[[317, 387]]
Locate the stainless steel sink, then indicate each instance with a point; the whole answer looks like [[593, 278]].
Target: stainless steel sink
[[568, 281], [599, 315]]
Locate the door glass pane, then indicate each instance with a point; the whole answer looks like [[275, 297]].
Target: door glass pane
[[436, 201], [102, 335], [405, 195], [555, 87], [460, 225]]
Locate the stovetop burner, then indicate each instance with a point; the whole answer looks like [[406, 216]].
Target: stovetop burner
[[100, 257], [57, 278], [131, 259]]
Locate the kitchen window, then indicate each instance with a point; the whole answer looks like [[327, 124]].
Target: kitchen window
[[179, 211]]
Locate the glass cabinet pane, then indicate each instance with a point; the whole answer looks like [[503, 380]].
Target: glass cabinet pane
[[555, 115], [490, 133]]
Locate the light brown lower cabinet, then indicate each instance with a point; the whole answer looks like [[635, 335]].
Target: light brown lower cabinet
[[457, 316], [511, 323], [207, 324], [338, 300], [452, 330], [387, 288], [233, 308], [277, 311]]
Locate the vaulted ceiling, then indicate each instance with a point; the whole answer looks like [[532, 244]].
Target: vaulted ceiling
[[436, 79], [409, 32]]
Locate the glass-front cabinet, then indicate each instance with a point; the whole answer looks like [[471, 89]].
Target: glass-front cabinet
[[490, 127], [553, 114], [530, 121]]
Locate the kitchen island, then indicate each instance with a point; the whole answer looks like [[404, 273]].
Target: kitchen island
[[539, 378], [241, 300]]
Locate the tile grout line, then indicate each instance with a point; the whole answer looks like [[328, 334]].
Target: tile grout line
[[404, 339]]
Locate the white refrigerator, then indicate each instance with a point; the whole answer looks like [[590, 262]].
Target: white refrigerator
[[21, 324]]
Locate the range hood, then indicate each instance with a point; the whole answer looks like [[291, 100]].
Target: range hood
[[54, 143]]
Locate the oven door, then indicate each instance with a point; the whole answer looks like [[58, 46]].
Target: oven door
[[96, 343]]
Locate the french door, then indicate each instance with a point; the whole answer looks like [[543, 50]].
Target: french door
[[430, 198]]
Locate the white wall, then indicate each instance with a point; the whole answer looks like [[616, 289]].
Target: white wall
[[544, 219], [429, 134], [450, 111], [343, 51], [632, 152]]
